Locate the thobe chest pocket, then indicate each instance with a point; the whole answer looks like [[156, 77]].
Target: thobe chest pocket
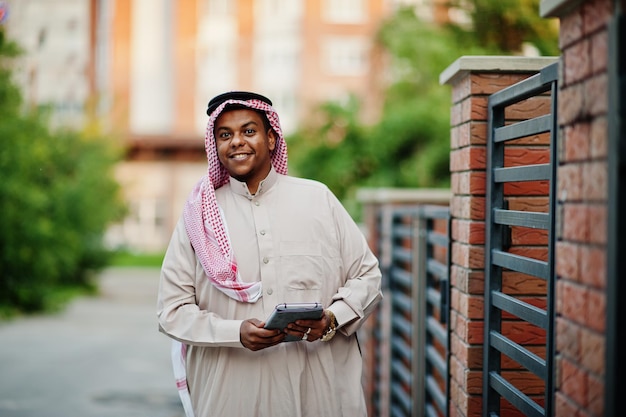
[[302, 265]]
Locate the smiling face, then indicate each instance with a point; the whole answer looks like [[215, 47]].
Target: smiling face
[[244, 145]]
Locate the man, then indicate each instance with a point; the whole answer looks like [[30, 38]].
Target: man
[[250, 238]]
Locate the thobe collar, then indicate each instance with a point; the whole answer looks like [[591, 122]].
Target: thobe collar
[[241, 188]]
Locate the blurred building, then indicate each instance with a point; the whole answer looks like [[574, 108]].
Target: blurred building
[[54, 70], [147, 68]]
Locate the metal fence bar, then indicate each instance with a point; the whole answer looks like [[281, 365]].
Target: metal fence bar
[[518, 130], [433, 297], [437, 239], [438, 396], [435, 282], [521, 218], [527, 88], [540, 269], [498, 222], [421, 298], [401, 277], [436, 359], [529, 360], [417, 280], [515, 396], [437, 268], [524, 311], [536, 172]]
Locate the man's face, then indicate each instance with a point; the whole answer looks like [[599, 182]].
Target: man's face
[[243, 145]]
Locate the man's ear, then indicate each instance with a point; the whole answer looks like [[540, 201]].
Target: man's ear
[[271, 139]]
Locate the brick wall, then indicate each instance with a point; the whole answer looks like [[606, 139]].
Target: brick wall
[[582, 202], [472, 80], [581, 211]]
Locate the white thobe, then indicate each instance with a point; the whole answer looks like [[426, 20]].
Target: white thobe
[[295, 237]]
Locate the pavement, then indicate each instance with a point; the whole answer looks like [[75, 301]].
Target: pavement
[[102, 356]]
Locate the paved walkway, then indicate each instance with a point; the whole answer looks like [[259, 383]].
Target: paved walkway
[[100, 357]]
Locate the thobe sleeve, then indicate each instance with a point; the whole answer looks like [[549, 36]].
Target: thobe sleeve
[[179, 316], [361, 291]]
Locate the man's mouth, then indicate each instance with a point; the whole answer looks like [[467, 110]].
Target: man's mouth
[[240, 156]]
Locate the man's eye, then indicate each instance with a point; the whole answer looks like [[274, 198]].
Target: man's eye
[[224, 135], [250, 131]]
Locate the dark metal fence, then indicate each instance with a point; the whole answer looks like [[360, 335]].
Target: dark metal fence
[[519, 324], [615, 389], [413, 338]]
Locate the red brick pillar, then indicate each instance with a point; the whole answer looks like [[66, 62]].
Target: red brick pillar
[[472, 80], [582, 204]]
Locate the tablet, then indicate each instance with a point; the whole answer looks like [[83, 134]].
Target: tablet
[[286, 313]]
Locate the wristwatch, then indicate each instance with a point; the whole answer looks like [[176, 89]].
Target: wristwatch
[[332, 328]]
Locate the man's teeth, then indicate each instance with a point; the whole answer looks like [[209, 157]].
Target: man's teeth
[[240, 156]]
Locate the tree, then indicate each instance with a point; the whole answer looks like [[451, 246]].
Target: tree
[[505, 25], [57, 196], [336, 152], [409, 145]]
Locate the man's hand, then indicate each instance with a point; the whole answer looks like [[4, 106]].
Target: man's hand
[[254, 337], [313, 329]]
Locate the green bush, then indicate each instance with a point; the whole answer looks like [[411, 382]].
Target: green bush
[[57, 196]]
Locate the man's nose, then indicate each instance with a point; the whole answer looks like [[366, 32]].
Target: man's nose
[[238, 139]]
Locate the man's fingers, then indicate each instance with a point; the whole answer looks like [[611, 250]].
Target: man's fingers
[[254, 337], [256, 322]]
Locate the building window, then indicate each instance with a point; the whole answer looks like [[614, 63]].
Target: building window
[[278, 9], [345, 56], [344, 11], [219, 7], [277, 58]]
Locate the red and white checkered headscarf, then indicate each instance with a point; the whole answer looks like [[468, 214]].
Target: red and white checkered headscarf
[[204, 222]]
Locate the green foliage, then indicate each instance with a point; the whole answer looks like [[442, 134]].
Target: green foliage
[[334, 152], [409, 145], [57, 196], [10, 98], [504, 25], [150, 260]]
